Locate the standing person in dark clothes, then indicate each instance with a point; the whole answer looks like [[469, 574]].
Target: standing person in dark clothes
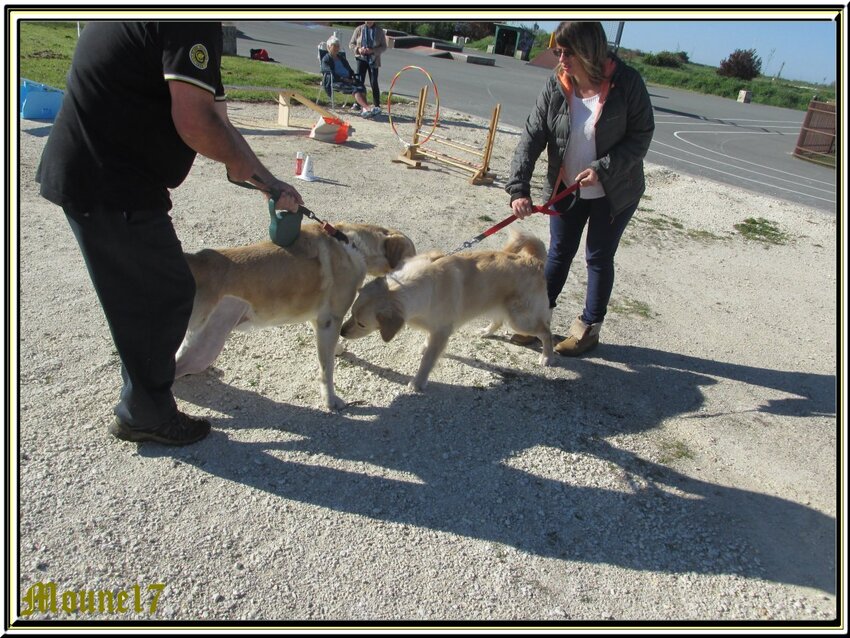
[[142, 99], [595, 120], [368, 43]]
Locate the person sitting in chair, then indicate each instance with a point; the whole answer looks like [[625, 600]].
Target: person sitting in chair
[[335, 68]]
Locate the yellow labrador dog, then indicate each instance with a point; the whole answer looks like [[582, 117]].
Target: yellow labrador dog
[[315, 279], [438, 294]]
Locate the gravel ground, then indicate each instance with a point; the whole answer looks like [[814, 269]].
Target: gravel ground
[[686, 471]]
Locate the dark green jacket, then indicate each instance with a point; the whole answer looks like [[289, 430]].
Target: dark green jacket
[[623, 133]]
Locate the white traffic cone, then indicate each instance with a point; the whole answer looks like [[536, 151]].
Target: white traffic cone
[[307, 171]]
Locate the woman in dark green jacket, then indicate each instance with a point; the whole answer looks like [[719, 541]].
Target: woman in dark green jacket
[[595, 120]]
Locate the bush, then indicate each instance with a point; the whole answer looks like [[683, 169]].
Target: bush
[[665, 59], [741, 64], [426, 30]]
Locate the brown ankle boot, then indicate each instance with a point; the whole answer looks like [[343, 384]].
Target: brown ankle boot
[[581, 338], [523, 340]]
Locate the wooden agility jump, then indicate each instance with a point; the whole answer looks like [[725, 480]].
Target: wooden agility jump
[[416, 151], [285, 100]]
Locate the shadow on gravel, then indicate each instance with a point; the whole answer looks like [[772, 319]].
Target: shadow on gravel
[[451, 460]]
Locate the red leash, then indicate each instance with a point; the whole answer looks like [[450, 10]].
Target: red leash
[[545, 209]]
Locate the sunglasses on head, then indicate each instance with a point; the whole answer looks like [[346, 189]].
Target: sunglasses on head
[[566, 52]]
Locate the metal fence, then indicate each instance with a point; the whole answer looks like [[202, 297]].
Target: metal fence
[[816, 141]]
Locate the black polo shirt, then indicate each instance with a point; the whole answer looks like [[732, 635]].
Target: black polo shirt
[[113, 145]]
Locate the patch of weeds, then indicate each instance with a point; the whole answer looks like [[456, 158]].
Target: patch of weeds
[[763, 230], [47, 55], [703, 235], [647, 197], [632, 307], [662, 222], [645, 210], [485, 218], [675, 451]]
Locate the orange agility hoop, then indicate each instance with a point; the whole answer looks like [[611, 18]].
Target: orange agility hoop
[[415, 142]]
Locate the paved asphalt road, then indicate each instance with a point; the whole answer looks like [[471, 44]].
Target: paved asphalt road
[[746, 145]]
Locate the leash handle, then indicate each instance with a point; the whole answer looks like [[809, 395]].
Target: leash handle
[[545, 209]]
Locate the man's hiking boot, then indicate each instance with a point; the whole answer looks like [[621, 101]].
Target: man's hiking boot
[[182, 429]]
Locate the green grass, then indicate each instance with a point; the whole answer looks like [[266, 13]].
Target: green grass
[[662, 222], [702, 78], [703, 235], [631, 307], [674, 451], [763, 230], [46, 50], [817, 158]]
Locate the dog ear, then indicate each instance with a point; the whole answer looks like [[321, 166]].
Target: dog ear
[[397, 248], [390, 322]]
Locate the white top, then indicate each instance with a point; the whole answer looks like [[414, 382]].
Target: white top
[[581, 149]]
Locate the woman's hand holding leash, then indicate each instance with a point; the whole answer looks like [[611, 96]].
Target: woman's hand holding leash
[[587, 177], [522, 207]]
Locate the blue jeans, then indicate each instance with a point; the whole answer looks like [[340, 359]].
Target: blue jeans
[[603, 237]]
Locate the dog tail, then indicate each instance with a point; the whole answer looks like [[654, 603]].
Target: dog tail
[[520, 242]]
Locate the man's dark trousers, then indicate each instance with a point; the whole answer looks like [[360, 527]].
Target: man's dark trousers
[[363, 67], [144, 284]]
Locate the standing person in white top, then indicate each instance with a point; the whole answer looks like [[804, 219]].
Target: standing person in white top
[[595, 120]]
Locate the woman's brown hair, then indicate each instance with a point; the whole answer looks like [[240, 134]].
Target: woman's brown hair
[[589, 44]]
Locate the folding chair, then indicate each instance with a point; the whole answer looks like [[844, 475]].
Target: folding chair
[[328, 85]]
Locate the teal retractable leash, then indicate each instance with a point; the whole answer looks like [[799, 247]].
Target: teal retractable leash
[[285, 226]]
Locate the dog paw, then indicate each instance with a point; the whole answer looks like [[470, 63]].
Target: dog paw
[[334, 403], [416, 386], [488, 331], [544, 360]]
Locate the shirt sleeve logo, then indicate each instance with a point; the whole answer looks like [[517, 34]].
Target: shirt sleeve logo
[[199, 56]]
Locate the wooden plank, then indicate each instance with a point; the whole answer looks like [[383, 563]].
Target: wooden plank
[[284, 102], [285, 97]]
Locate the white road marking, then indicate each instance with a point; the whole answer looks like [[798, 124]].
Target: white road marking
[[678, 136], [746, 179]]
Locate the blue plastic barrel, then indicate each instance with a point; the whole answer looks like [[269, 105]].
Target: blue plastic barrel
[[39, 101]]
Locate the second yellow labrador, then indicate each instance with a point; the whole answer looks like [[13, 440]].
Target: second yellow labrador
[[438, 294]]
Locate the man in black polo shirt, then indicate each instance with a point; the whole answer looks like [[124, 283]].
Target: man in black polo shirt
[[142, 99]]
